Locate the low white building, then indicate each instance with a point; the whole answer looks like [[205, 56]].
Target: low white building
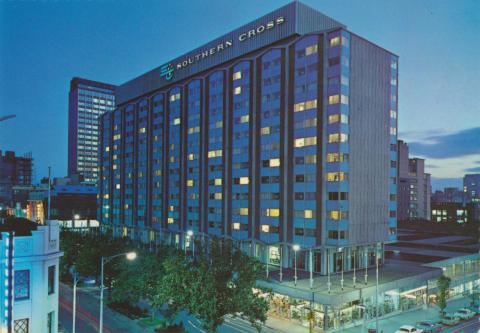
[[30, 271]]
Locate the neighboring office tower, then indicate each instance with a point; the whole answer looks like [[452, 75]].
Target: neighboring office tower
[[471, 186], [414, 188], [88, 100], [14, 170], [281, 132]]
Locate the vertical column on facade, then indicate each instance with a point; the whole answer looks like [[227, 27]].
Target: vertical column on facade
[[287, 225], [149, 176], [134, 170], [183, 159], [164, 205], [203, 158], [121, 157], [227, 153], [321, 135], [254, 214]]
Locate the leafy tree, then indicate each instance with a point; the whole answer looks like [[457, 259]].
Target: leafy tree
[[214, 285], [443, 284]]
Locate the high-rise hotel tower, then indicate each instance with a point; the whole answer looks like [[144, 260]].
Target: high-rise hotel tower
[[282, 132]]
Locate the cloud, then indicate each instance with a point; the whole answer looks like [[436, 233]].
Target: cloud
[[475, 169], [453, 167], [445, 145]]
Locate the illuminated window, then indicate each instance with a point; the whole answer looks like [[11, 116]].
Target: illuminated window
[[274, 162], [236, 226], [335, 41], [244, 180], [174, 97], [265, 130], [244, 119], [336, 176], [343, 99], [393, 114], [337, 137], [303, 142], [170, 220], [393, 131], [237, 90], [335, 118], [243, 211], [237, 75], [218, 181], [265, 228], [142, 130], [333, 99], [337, 157], [311, 49], [107, 148], [176, 121], [308, 214], [310, 104], [215, 153], [272, 212], [189, 182], [117, 137], [191, 157], [117, 186]]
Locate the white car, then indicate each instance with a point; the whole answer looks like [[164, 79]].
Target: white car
[[408, 329], [464, 314]]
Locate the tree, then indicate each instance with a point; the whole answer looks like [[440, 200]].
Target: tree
[[214, 285], [443, 284]]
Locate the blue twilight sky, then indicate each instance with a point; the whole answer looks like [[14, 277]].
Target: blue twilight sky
[[43, 44]]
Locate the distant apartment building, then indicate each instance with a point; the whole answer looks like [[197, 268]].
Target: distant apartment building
[[449, 195], [414, 188], [14, 171], [471, 187], [88, 100], [29, 270], [279, 135]]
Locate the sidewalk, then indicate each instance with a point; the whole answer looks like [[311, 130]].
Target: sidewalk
[[391, 324]]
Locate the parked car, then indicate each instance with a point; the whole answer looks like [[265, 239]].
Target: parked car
[[409, 329], [474, 308], [464, 314], [449, 319], [429, 326]]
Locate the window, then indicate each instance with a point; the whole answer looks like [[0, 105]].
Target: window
[[335, 118], [22, 285], [236, 226], [303, 142], [243, 211], [237, 90], [237, 75], [337, 157], [265, 228], [20, 326], [393, 131], [189, 182], [215, 153], [310, 104], [308, 214], [311, 49], [335, 41], [337, 137], [333, 99], [50, 322], [51, 279], [336, 176], [272, 212]]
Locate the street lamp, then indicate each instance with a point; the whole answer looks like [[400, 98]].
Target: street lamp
[[74, 273], [129, 256], [295, 249]]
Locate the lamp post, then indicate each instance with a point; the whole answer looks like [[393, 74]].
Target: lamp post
[[129, 256], [74, 273], [190, 238], [295, 248]]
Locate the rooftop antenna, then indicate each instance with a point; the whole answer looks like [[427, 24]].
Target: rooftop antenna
[[49, 188]]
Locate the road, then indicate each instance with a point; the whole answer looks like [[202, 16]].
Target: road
[[88, 307], [471, 326]]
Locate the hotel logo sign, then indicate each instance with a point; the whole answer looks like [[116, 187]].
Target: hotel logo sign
[[167, 70]]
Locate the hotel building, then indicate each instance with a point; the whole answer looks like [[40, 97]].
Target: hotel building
[[282, 132], [88, 100]]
